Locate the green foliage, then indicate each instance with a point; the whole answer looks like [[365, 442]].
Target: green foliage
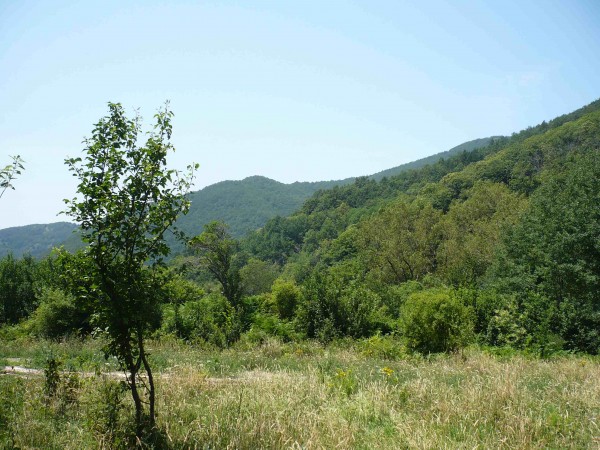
[[330, 308], [58, 315], [383, 347], [12, 393], [20, 282], [400, 243], [257, 276], [217, 251], [178, 290], [127, 200], [554, 253], [506, 327], [51, 376], [286, 296], [105, 406], [472, 229], [210, 319], [265, 326], [395, 295], [9, 173], [436, 320]]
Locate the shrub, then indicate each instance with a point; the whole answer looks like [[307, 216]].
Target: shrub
[[436, 320], [394, 296], [384, 347], [211, 319], [505, 328], [268, 325], [286, 297], [331, 308], [58, 315]]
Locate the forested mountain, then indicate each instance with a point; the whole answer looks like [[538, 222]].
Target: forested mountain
[[517, 162], [35, 240], [464, 147], [245, 205], [498, 246], [510, 231], [248, 204]]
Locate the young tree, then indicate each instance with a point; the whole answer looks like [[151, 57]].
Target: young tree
[[217, 251], [9, 173], [127, 200]]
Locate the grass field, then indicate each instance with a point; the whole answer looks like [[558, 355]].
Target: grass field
[[305, 396]]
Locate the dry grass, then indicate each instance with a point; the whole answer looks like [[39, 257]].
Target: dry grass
[[283, 397]]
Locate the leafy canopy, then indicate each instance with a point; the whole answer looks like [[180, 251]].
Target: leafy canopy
[[127, 200]]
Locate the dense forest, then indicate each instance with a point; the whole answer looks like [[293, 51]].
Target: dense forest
[[497, 246], [244, 205]]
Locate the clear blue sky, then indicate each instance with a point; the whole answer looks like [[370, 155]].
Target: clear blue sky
[[292, 90]]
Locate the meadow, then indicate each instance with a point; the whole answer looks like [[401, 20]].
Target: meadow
[[349, 394]]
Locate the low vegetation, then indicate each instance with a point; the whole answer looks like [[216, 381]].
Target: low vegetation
[[276, 395]]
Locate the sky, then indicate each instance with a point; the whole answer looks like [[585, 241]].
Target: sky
[[291, 90]]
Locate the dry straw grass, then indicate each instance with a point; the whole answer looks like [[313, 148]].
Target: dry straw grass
[[278, 398]]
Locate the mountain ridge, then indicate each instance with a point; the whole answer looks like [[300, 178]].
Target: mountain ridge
[[244, 205]]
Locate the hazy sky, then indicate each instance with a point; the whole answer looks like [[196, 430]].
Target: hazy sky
[[292, 90]]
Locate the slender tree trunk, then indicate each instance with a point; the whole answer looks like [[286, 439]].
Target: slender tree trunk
[[137, 400], [151, 393]]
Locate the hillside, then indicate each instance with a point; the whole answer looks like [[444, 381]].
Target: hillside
[[516, 161], [36, 240], [245, 205], [464, 147], [510, 231]]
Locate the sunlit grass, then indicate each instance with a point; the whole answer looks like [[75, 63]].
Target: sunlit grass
[[307, 396]]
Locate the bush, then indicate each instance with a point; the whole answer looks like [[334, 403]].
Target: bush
[[394, 295], [505, 328], [178, 290], [211, 319], [58, 316], [436, 320], [384, 347], [286, 297], [332, 308], [268, 325]]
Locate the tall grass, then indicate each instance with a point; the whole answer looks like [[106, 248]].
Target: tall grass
[[306, 396]]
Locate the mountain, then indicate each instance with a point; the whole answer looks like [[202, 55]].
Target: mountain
[[245, 205], [36, 240], [518, 162], [464, 147], [509, 231]]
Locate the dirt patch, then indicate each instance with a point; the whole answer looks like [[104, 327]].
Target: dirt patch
[[20, 370]]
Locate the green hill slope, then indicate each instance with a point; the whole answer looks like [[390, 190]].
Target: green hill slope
[[465, 147], [517, 161], [245, 205], [35, 240]]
